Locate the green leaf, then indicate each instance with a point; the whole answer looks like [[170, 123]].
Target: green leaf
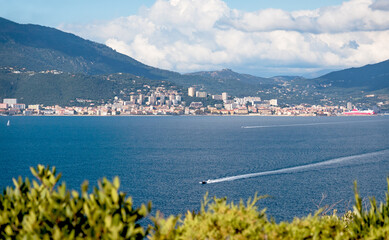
[[115, 196], [116, 182], [8, 230]]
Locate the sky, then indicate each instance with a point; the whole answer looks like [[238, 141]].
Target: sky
[[259, 37]]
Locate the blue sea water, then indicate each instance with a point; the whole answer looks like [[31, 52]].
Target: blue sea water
[[162, 159]]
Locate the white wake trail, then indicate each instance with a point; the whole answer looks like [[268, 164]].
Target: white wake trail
[[348, 159], [309, 124]]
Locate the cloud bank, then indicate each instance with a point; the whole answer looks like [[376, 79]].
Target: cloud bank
[[193, 35]]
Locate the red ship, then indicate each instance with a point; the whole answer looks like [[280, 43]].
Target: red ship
[[357, 112]]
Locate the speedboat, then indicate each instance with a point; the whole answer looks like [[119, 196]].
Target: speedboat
[[205, 182]]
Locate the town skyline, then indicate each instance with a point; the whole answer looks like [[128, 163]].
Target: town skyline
[[162, 101]]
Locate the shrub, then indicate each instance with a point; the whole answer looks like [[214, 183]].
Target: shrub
[[370, 223], [43, 211], [310, 227], [216, 220], [220, 220]]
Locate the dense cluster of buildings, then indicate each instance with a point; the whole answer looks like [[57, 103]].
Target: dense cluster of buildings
[[170, 102]]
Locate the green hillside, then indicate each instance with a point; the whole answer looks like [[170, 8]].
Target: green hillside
[[41, 48], [226, 75], [65, 88], [369, 77]]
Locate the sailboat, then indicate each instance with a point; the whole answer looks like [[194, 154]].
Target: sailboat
[[8, 123]]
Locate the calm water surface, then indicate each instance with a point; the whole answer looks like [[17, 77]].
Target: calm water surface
[[162, 159]]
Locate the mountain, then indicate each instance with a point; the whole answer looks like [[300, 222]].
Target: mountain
[[370, 77], [40, 48], [233, 83], [228, 75]]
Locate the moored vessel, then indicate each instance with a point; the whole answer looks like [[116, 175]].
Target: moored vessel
[[359, 112]]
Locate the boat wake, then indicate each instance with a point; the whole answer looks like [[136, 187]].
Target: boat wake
[[343, 160], [309, 124]]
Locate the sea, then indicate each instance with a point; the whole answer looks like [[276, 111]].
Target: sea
[[301, 163]]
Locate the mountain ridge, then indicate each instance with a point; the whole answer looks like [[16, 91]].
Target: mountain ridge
[[40, 48], [376, 74], [227, 73]]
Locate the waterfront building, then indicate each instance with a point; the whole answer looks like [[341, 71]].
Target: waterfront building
[[240, 101], [219, 106], [28, 112], [241, 111], [140, 99], [245, 100], [196, 105], [10, 101], [224, 96], [161, 99], [252, 109], [20, 106], [201, 94], [264, 111], [36, 107], [273, 102], [48, 112], [230, 106], [217, 97], [69, 112], [152, 99]]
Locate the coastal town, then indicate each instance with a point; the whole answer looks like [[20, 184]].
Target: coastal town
[[160, 101]]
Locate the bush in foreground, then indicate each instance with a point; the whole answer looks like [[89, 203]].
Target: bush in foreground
[[43, 210]]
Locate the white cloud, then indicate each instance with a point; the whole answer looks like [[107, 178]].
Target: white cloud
[[380, 5], [191, 35]]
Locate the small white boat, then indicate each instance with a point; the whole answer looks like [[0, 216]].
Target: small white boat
[[8, 123], [205, 182]]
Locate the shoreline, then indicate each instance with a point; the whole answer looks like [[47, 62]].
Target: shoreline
[[188, 115]]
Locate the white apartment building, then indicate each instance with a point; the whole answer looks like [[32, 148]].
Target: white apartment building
[[191, 92]]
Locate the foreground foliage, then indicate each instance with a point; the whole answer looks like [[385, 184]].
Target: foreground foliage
[[43, 210]]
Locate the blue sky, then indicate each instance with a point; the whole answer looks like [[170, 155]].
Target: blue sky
[[261, 37], [56, 12]]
